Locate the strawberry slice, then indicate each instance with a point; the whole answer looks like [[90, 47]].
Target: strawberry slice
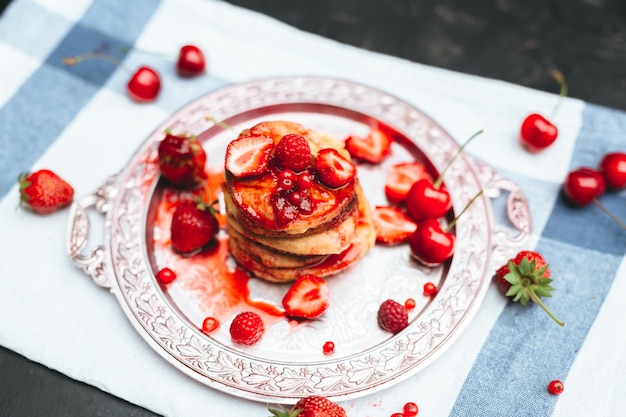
[[334, 170], [307, 298], [392, 225], [372, 148], [401, 177], [248, 155]]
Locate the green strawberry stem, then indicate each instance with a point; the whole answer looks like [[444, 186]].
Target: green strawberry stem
[[559, 78], [440, 178], [537, 299], [453, 222], [608, 213]]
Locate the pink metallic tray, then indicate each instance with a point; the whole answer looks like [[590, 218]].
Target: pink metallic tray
[[288, 363]]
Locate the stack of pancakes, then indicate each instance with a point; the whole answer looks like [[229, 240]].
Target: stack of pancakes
[[336, 234]]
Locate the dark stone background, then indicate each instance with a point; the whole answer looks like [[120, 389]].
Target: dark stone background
[[515, 41]]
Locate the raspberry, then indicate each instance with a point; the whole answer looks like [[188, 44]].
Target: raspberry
[[293, 152], [392, 316], [247, 328]]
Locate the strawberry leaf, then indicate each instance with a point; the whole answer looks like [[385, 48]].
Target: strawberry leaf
[[529, 283]]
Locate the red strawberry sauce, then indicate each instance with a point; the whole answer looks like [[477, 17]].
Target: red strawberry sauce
[[207, 284]]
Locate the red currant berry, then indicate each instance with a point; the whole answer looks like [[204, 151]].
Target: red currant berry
[[144, 85], [430, 289], [304, 181], [555, 387], [410, 409], [397, 415], [165, 276], [191, 61], [409, 304], [286, 180], [295, 198], [328, 348], [293, 152], [209, 324]]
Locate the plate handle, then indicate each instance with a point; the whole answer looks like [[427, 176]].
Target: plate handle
[[78, 231], [507, 240]]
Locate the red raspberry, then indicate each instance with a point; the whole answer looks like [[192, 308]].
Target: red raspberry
[[293, 152], [392, 316], [247, 328]]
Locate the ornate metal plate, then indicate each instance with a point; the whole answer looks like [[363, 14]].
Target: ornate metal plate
[[289, 363]]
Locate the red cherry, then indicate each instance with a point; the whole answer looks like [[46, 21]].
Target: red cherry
[[165, 276], [537, 133], [328, 348], [555, 387], [430, 245], [613, 169], [425, 201], [144, 85], [410, 409], [191, 61], [583, 185]]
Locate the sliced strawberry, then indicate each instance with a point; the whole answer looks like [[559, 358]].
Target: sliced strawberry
[[307, 298], [372, 148], [334, 170], [393, 226], [401, 177], [248, 155]]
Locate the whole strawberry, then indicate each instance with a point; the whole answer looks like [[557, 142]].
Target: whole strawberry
[[182, 160], [313, 406], [44, 191], [526, 277], [392, 316], [193, 226]]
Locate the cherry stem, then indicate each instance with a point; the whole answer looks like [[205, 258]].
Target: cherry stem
[[126, 49], [608, 213], [537, 300], [440, 178], [77, 59], [559, 78], [453, 222]]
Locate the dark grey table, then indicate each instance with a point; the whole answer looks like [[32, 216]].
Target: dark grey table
[[519, 42]]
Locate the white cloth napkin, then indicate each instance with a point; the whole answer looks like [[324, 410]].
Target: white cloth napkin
[[52, 313]]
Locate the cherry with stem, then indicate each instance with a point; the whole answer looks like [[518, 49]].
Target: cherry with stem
[[144, 84], [538, 132], [428, 200]]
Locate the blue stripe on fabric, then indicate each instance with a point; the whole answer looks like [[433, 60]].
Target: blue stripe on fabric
[[603, 131], [525, 349], [50, 99]]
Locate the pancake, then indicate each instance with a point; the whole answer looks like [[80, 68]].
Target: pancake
[[278, 239]]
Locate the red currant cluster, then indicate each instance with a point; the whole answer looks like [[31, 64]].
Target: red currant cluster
[[409, 409], [144, 84]]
